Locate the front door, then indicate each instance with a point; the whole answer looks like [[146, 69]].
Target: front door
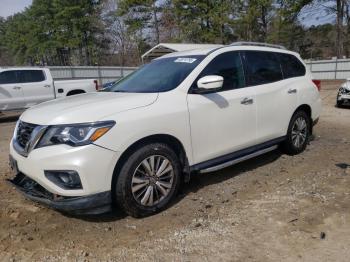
[[11, 93], [37, 87], [225, 121]]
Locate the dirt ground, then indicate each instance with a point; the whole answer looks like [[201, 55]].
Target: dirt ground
[[271, 208]]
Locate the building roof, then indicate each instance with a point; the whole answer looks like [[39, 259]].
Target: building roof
[[167, 48]]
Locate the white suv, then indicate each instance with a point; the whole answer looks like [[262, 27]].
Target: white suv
[[193, 111]]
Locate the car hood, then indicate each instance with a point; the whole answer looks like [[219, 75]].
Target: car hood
[[85, 107]]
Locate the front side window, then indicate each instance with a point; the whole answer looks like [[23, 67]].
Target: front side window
[[261, 67], [8, 77], [229, 66], [32, 76], [160, 75], [291, 66]]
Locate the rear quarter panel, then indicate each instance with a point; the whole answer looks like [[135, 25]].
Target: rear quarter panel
[[309, 95], [87, 85]]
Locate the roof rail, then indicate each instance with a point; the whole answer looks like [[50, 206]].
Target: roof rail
[[258, 44]]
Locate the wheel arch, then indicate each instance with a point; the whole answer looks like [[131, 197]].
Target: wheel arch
[[75, 92], [307, 109], [170, 140]]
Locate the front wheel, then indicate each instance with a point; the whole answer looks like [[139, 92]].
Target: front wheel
[[298, 134], [148, 180]]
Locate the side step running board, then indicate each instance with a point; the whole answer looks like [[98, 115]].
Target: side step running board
[[238, 160]]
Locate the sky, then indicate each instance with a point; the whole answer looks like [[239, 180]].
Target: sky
[[10, 7]]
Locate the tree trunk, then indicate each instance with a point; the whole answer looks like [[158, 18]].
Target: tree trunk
[[87, 51], [264, 23], [156, 26], [347, 19], [339, 28]]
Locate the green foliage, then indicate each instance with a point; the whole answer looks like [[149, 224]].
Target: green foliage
[[254, 20], [204, 21], [5, 57], [89, 32], [55, 32], [142, 20]]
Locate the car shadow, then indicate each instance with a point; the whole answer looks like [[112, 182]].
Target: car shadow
[[346, 106], [197, 182], [4, 118], [111, 216]]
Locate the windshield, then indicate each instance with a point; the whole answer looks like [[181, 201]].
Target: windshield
[[160, 75]]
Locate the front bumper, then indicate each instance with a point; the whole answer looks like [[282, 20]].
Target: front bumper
[[344, 97], [92, 204], [94, 164], [343, 94]]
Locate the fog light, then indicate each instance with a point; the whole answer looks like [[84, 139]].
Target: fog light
[[64, 179]]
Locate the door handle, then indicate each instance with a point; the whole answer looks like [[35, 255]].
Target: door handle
[[292, 91], [247, 101], [47, 86], [17, 87]]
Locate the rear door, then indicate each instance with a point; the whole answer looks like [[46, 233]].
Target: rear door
[[11, 93], [36, 85], [225, 121], [276, 98]]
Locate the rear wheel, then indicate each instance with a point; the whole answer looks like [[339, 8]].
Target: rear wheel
[[148, 180], [298, 134]]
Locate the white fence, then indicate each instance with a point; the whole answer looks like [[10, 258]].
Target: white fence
[[103, 74], [320, 69], [329, 69]]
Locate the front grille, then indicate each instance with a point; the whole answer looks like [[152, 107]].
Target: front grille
[[24, 132]]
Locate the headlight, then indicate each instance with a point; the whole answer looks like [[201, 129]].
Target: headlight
[[74, 135]]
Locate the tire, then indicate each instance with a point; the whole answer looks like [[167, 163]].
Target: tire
[[132, 187], [75, 92], [298, 130]]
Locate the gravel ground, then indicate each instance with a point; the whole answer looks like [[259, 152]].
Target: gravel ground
[[271, 208]]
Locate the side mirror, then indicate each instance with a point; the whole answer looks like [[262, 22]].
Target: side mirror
[[209, 83]]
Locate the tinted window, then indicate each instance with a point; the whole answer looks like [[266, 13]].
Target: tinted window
[[8, 77], [261, 67], [158, 76], [229, 66], [291, 66], [30, 76]]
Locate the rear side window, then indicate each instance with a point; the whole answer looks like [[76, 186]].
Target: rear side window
[[30, 76], [291, 66], [261, 67], [229, 66], [9, 77]]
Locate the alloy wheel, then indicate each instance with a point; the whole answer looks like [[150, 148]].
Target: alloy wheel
[[152, 180], [299, 132]]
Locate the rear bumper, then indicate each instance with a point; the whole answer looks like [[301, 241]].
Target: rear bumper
[[90, 204]]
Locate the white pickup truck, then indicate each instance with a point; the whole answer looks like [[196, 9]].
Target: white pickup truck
[[22, 88]]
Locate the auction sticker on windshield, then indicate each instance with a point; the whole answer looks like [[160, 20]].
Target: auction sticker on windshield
[[185, 60]]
